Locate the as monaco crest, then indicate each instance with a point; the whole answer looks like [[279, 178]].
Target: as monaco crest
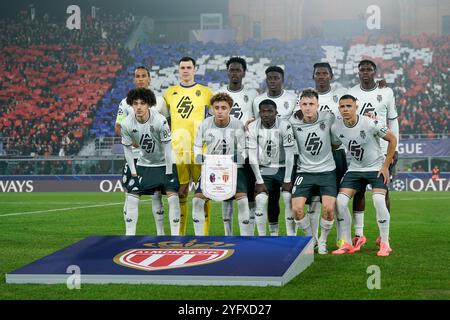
[[167, 258], [225, 177]]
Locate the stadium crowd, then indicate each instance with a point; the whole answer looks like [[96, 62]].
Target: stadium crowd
[[60, 87], [52, 79]]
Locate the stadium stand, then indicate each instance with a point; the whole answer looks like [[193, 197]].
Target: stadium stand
[[52, 79], [415, 67], [60, 88]]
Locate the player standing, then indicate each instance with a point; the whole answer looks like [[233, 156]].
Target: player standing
[[271, 148], [242, 110], [222, 135], [328, 101], [149, 130], [378, 103], [188, 105], [141, 79], [316, 166], [286, 102], [362, 136]]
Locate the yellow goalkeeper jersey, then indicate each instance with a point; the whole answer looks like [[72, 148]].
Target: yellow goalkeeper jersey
[[188, 106]]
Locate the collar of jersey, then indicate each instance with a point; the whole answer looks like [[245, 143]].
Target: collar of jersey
[[282, 91], [318, 116], [149, 116], [322, 94], [242, 88], [274, 124], [360, 86], [195, 83], [229, 121], [357, 120]]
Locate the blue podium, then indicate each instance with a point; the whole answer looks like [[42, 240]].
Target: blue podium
[[176, 260]]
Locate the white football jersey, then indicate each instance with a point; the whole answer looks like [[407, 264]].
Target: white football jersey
[[242, 102], [228, 140], [362, 141], [150, 136], [270, 144], [286, 103], [329, 101], [314, 143], [379, 101], [125, 109]]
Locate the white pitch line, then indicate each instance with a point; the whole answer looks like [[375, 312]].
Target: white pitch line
[[62, 209], [45, 202]]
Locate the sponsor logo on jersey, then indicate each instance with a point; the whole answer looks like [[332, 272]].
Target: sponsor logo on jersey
[[356, 150], [367, 108], [147, 143], [313, 144], [185, 107], [236, 111], [172, 254]]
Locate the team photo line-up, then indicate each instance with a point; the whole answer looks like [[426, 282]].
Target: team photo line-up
[[283, 145]]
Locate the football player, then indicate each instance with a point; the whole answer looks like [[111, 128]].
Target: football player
[[222, 135], [149, 130], [361, 135]]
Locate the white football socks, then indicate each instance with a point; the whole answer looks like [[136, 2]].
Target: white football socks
[[338, 235], [198, 216], [345, 220], [227, 216], [305, 225], [274, 228], [244, 217], [252, 208], [383, 216], [158, 212], [314, 216], [325, 228], [174, 214], [131, 214], [358, 222], [261, 213], [288, 214]]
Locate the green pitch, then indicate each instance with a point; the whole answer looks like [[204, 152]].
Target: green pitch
[[33, 225]]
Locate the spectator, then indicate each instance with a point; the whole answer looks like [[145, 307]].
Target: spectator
[[435, 172]]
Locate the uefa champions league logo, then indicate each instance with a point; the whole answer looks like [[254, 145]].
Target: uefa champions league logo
[[398, 185]]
